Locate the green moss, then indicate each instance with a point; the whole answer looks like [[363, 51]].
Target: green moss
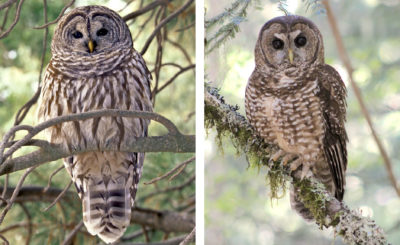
[[314, 196], [228, 123]]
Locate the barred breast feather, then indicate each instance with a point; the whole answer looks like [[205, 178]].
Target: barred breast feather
[[106, 181]]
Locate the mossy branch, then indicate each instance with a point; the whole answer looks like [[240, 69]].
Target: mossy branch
[[327, 210]]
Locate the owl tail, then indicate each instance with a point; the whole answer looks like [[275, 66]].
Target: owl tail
[[298, 206], [107, 206]]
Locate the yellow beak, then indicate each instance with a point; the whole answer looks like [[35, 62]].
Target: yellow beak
[[290, 54], [91, 46]]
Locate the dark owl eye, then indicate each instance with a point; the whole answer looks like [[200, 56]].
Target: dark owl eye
[[300, 41], [277, 44], [102, 32], [77, 34]]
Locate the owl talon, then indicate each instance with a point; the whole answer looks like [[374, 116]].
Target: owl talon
[[295, 164], [305, 170], [277, 155], [287, 158]]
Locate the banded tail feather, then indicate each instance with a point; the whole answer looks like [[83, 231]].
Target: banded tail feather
[[107, 204]]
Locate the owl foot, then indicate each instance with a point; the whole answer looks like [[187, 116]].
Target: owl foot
[[277, 155], [287, 158], [305, 170]]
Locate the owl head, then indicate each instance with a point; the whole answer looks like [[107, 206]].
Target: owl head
[[90, 30], [289, 41]]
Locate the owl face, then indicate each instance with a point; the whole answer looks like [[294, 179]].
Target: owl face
[[290, 41], [91, 30]]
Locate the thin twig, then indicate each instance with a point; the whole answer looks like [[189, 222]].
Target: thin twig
[[172, 241], [4, 239], [189, 238], [71, 235], [7, 4], [30, 231], [193, 24], [171, 171], [172, 79], [17, 15], [169, 189], [146, 235], [145, 9], [58, 197], [3, 195], [21, 114], [183, 50], [51, 177], [5, 19], [346, 61], [134, 235], [15, 194], [58, 18], [162, 23]]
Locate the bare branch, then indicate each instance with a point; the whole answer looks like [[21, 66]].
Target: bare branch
[[7, 4], [349, 224], [21, 114], [169, 189], [180, 167], [346, 61], [15, 194], [17, 15], [29, 224], [146, 9], [71, 235], [189, 238], [164, 22], [167, 221], [134, 235], [172, 241], [174, 77], [4, 239], [58, 18], [58, 197], [51, 177], [174, 141]]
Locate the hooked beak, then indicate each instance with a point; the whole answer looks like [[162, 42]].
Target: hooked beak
[[290, 54], [91, 46]]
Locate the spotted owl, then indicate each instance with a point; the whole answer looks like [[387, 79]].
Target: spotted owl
[[296, 101], [94, 66]]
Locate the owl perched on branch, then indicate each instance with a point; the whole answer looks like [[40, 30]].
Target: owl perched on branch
[[94, 66], [296, 101]]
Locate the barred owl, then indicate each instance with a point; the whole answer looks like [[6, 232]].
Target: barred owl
[[94, 66], [296, 101]]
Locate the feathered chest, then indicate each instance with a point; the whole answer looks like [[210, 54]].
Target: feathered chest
[[293, 120], [126, 88]]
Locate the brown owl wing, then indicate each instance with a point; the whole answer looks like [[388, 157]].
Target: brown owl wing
[[333, 98]]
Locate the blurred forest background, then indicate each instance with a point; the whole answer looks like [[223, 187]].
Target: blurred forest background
[[238, 208], [170, 57]]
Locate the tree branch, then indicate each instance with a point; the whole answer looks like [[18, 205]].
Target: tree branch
[[174, 141], [357, 92], [327, 210], [167, 221], [162, 23], [172, 241], [146, 9]]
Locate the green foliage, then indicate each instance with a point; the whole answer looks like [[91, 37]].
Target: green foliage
[[228, 22], [316, 6]]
